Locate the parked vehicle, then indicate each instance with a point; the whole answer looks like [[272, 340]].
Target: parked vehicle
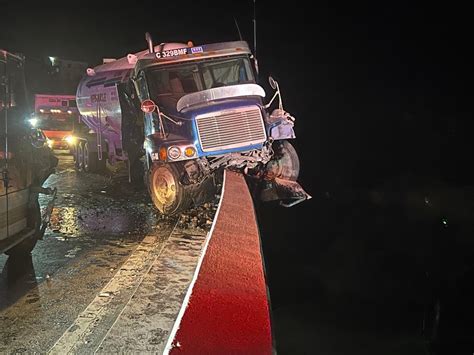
[[180, 113], [56, 115], [25, 163]]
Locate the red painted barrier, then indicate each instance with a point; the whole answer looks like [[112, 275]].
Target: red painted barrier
[[228, 310]]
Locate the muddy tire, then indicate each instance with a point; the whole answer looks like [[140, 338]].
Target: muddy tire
[[80, 156], [33, 222], [92, 164], [89, 163], [285, 164], [166, 191]]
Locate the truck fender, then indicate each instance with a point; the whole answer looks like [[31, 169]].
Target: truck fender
[[282, 130], [281, 125]]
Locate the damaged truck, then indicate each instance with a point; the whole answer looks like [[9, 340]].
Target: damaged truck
[[25, 163], [179, 114]]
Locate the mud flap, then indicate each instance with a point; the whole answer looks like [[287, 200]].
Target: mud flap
[[289, 192]]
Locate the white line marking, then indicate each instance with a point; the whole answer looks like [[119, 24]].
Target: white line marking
[[189, 292], [135, 291], [84, 320]]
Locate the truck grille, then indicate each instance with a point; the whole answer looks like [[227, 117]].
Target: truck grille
[[231, 129]]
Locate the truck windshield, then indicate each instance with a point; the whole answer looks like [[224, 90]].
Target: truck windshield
[[167, 85], [48, 123]]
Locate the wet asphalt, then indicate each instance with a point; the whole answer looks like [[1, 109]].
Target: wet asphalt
[[97, 223]]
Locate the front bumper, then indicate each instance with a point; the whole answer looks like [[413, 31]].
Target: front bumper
[[59, 144]]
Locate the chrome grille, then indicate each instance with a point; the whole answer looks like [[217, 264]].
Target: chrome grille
[[231, 129]]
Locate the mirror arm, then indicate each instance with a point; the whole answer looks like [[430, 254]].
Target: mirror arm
[[280, 104], [177, 123], [273, 98], [162, 127]]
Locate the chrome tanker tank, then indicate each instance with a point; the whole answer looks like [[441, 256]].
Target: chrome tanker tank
[[100, 107]]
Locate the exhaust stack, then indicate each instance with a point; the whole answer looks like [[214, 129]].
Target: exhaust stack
[[151, 49]]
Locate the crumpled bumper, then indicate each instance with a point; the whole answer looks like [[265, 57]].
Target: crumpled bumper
[[288, 192]]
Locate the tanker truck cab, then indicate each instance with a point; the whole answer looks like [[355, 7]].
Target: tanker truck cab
[[181, 113], [184, 98], [203, 111]]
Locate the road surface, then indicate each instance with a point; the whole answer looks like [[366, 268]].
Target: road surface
[[98, 260]]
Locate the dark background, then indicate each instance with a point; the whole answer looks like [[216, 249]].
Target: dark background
[[382, 98]]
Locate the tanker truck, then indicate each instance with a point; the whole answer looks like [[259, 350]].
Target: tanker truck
[[178, 114]]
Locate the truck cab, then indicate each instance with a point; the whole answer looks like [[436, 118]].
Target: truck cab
[[204, 110], [190, 111], [56, 115]]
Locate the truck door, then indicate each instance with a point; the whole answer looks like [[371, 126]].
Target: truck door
[[14, 191], [132, 121]]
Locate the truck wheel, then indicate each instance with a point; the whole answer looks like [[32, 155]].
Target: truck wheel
[[73, 152], [80, 156], [33, 222], [285, 163], [92, 164], [166, 191], [89, 165], [90, 159]]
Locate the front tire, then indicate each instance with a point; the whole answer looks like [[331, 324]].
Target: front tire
[[166, 191], [285, 163]]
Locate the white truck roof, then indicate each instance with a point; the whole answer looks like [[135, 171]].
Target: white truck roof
[[173, 52]]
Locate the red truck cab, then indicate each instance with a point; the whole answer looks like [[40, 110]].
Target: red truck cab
[[56, 116]]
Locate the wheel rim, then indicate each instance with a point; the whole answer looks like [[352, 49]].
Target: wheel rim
[[86, 157], [163, 187]]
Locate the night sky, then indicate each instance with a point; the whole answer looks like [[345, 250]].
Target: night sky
[[360, 78], [378, 90]]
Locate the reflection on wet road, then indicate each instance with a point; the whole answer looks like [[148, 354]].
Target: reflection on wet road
[[98, 221]]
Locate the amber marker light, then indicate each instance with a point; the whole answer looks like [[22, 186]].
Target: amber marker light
[[163, 154], [189, 152]]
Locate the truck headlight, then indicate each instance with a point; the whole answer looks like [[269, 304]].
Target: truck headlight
[[50, 143], [70, 140], [174, 152], [33, 121]]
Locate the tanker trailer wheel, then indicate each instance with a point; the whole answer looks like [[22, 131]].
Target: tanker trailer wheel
[[33, 221], [92, 163], [80, 156], [166, 191], [285, 163]]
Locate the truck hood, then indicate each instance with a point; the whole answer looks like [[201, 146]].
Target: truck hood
[[216, 94]]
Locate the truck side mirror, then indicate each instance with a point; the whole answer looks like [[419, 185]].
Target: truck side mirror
[[274, 85], [272, 82]]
